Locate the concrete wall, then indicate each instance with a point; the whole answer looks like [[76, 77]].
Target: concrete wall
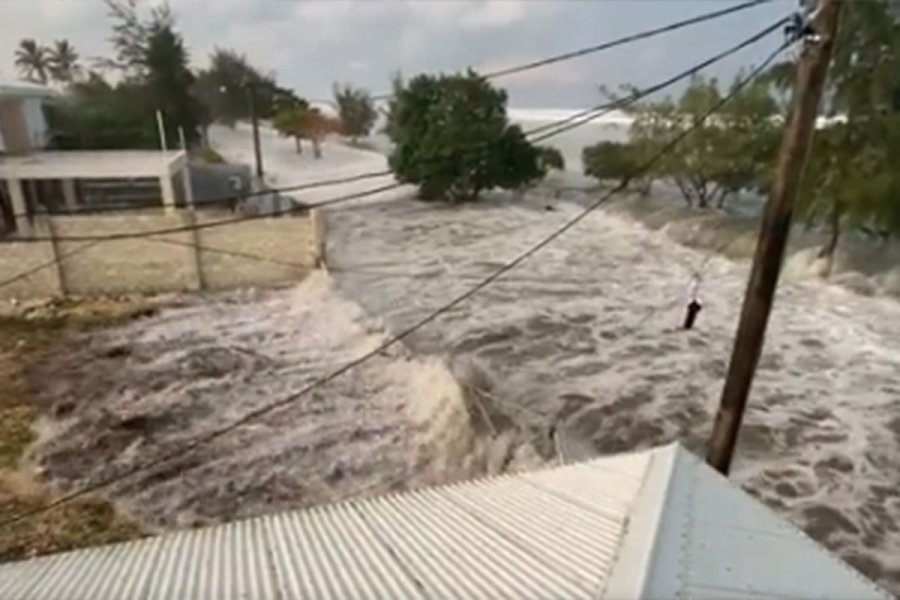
[[256, 252]]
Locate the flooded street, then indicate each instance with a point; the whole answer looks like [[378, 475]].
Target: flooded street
[[586, 335], [578, 352]]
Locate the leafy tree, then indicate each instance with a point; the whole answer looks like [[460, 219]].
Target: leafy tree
[[317, 126], [169, 81], [63, 62], [610, 161], [356, 110], [225, 85], [549, 159], [291, 122], [131, 34], [96, 115], [851, 177], [452, 137], [304, 122], [721, 156], [32, 61]]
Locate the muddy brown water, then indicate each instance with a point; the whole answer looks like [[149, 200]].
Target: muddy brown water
[[586, 335]]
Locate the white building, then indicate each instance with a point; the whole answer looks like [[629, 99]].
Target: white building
[[23, 127], [35, 181], [654, 524]]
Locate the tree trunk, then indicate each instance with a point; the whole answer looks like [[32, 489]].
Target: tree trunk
[[827, 251], [685, 192], [702, 194], [317, 148], [721, 195], [298, 145]]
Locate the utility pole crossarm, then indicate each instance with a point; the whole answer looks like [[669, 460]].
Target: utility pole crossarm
[[812, 71]]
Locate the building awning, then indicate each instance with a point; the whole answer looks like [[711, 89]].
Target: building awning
[[92, 164], [655, 524], [26, 89]]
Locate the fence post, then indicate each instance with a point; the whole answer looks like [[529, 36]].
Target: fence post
[[190, 219], [58, 259]]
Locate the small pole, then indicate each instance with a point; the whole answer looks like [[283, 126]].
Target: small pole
[[254, 117], [812, 70], [186, 172], [161, 125]]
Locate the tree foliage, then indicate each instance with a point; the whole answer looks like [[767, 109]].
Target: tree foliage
[[32, 61], [303, 122], [852, 177], [63, 62], [157, 77], [224, 87], [550, 159], [452, 137], [131, 33], [356, 110], [610, 161], [292, 122], [168, 82], [99, 116], [721, 156]]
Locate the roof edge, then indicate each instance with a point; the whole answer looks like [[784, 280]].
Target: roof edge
[[629, 576]]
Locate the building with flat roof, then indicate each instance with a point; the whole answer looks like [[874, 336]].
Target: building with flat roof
[[35, 181], [76, 181]]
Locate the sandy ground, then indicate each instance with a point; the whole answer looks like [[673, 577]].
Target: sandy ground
[[584, 336]]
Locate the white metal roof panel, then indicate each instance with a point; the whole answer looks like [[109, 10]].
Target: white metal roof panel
[[658, 524], [705, 539], [738, 544], [331, 552], [228, 561], [103, 573], [548, 534]]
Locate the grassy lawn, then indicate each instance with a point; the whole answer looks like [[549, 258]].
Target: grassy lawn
[[85, 522]]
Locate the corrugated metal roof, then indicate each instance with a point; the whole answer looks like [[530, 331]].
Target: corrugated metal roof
[[548, 534], [652, 524]]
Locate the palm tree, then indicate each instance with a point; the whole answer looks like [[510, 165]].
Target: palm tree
[[31, 59], [63, 62]]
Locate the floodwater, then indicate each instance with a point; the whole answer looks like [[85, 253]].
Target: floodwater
[[578, 352], [586, 334]]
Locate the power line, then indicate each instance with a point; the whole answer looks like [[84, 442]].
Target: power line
[[626, 39], [235, 197], [48, 264], [568, 124], [634, 37], [536, 64], [432, 316], [199, 226], [588, 115]]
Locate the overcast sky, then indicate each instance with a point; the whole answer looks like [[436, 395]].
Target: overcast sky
[[311, 43]]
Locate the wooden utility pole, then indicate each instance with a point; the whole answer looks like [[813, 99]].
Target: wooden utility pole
[[254, 119], [812, 70]]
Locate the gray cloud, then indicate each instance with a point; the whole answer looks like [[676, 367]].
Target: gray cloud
[[312, 43]]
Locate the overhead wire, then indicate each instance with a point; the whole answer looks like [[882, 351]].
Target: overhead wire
[[586, 116], [405, 333], [567, 124], [627, 39], [634, 37], [556, 128]]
